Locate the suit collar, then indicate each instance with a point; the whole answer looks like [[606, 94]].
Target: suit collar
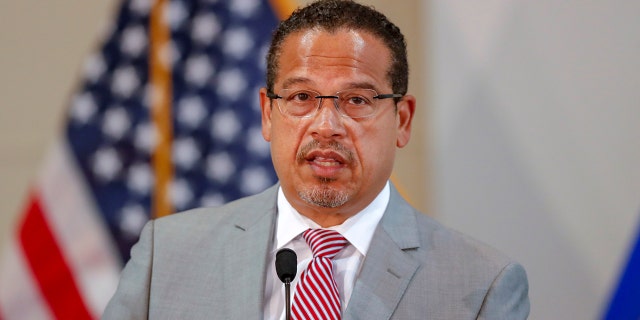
[[260, 204], [399, 221]]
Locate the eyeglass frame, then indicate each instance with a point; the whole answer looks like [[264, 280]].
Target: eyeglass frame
[[271, 95]]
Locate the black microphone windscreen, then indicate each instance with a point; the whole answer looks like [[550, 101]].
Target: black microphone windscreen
[[286, 264]]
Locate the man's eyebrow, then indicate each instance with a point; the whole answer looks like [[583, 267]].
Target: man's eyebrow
[[360, 85], [351, 85], [293, 81]]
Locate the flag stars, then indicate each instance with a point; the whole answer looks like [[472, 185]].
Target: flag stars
[[94, 68], [220, 167], [140, 178], [231, 84], [255, 102], [132, 220], [176, 14], [261, 60], [147, 95], [225, 126], [244, 8], [198, 70], [181, 194], [205, 28], [212, 200], [116, 123], [171, 53], [237, 42], [191, 111], [134, 41], [185, 153], [215, 55], [83, 108], [145, 137], [106, 164], [256, 143], [125, 81], [254, 180], [140, 7]]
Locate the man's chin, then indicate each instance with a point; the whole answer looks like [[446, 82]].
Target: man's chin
[[323, 196]]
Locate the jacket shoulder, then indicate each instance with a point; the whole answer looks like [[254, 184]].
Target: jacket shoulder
[[474, 278], [236, 211], [242, 213], [441, 239]]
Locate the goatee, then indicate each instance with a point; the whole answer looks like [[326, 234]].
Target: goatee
[[323, 194]]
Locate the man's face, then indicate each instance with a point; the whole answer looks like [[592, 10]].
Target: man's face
[[331, 166]]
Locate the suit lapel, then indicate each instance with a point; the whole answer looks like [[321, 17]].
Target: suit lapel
[[387, 269], [246, 257], [386, 272]]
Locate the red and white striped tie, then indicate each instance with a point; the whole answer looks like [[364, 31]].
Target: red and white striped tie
[[317, 294]]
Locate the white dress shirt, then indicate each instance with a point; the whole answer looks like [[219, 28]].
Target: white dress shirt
[[290, 224]]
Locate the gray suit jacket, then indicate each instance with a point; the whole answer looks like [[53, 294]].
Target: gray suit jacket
[[210, 263]]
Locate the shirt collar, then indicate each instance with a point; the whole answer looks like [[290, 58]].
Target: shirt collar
[[358, 229]]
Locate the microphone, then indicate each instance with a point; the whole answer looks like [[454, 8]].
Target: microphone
[[286, 268]]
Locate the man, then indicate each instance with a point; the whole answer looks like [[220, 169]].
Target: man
[[335, 109]]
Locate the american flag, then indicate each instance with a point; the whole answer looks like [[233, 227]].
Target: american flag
[[166, 118]]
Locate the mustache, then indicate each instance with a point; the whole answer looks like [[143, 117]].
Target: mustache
[[331, 145]]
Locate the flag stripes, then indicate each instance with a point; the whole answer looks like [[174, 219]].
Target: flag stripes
[[48, 265], [47, 272], [20, 296]]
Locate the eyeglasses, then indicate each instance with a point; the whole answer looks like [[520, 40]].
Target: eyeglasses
[[353, 103]]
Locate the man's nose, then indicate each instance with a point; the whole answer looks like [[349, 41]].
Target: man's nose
[[328, 122]]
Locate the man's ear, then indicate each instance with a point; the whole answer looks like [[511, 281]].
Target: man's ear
[[406, 110], [265, 107]]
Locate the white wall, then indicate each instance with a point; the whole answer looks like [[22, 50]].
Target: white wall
[[536, 127], [43, 47]]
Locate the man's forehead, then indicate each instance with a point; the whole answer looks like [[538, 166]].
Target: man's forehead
[[318, 50], [316, 31], [339, 43]]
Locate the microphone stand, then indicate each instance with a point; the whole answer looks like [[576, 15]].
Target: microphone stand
[[287, 295]]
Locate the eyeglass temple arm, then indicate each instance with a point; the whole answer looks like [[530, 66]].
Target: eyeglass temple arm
[[272, 95], [388, 96]]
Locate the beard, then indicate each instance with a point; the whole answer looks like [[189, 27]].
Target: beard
[[321, 193]]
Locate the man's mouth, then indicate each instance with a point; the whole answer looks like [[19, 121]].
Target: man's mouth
[[325, 158], [325, 161]]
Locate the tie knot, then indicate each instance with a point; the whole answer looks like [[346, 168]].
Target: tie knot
[[324, 243]]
